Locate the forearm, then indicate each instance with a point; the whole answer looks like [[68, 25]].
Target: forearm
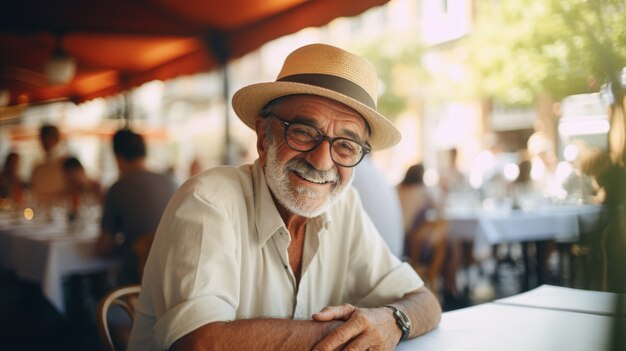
[[256, 334], [376, 328], [424, 310]]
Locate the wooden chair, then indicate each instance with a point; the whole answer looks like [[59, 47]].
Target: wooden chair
[[126, 298], [431, 239]]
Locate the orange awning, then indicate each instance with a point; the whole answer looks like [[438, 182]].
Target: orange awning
[[119, 44]]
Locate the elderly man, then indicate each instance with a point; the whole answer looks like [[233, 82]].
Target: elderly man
[[280, 254]]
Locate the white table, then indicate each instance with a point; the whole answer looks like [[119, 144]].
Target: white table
[[45, 253], [497, 327], [486, 228], [566, 299], [545, 318], [561, 223]]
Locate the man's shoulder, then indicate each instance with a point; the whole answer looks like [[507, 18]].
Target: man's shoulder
[[229, 174], [224, 182]]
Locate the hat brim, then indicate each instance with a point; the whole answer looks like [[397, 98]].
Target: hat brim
[[248, 102]]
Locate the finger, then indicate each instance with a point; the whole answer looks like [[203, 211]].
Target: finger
[[339, 336], [361, 342], [329, 313]]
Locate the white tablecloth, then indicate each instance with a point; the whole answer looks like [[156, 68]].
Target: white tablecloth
[[566, 299], [47, 252], [483, 228], [497, 327]]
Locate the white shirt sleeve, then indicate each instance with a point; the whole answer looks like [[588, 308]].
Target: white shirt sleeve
[[377, 276], [195, 267]]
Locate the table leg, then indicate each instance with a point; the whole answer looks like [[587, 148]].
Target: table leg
[[526, 274], [541, 265]]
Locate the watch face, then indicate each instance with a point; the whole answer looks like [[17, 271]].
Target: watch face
[[403, 318]]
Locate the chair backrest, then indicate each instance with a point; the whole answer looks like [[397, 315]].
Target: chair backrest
[[126, 298], [427, 250]]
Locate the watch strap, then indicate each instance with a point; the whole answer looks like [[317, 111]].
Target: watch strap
[[402, 321]]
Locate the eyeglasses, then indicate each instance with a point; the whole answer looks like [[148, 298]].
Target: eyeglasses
[[304, 138]]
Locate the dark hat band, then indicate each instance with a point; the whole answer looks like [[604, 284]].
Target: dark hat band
[[337, 84]]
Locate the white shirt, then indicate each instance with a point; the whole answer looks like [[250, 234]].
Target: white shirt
[[220, 254]]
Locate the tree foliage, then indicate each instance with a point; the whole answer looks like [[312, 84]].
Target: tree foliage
[[523, 47], [397, 61]]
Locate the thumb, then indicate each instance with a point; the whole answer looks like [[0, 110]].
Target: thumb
[[329, 313]]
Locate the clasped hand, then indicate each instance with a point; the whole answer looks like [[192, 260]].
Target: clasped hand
[[364, 329]]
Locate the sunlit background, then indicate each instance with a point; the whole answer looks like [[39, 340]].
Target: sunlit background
[[461, 75], [501, 91]]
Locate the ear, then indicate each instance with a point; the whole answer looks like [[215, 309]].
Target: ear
[[261, 141]]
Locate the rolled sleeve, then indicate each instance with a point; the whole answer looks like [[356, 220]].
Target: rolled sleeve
[[192, 273], [377, 276], [401, 280], [188, 316]]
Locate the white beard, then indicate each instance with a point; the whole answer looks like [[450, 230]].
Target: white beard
[[300, 199]]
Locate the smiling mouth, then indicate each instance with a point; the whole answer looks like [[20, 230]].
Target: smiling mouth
[[314, 181]]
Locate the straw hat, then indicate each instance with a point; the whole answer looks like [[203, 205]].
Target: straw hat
[[327, 71]]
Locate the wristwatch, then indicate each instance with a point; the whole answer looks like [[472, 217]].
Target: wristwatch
[[402, 321]]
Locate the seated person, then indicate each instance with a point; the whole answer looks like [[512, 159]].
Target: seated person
[[11, 186], [80, 188], [421, 216], [279, 254], [416, 202], [47, 180], [133, 205]]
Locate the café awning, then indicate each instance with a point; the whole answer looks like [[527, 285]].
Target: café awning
[[115, 45]]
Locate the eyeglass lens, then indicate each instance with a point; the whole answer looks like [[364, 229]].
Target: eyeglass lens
[[302, 137]]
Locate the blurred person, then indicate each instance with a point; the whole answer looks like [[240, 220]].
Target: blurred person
[[596, 165], [487, 171], [544, 165], [452, 180], [523, 189], [579, 187], [544, 172], [133, 205], [278, 254], [47, 179], [418, 208], [381, 204], [524, 179], [579, 184], [81, 189], [11, 186], [416, 202], [606, 245]]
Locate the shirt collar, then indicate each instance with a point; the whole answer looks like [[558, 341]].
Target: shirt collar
[[267, 218]]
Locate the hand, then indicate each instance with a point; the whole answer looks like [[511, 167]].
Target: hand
[[364, 328]]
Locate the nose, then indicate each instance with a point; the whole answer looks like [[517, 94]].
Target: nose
[[320, 156]]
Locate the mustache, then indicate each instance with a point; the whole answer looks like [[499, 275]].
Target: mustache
[[307, 171]]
